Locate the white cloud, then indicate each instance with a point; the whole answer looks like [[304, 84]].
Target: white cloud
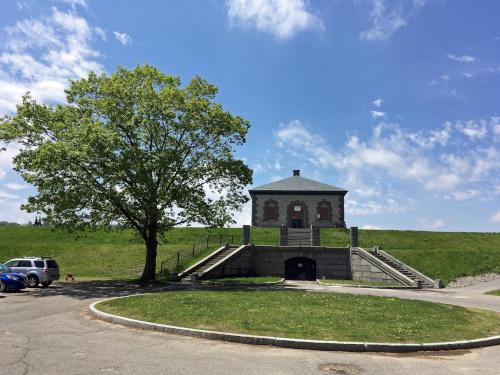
[[74, 3], [282, 18], [464, 195], [15, 186], [463, 59], [467, 75], [386, 20], [495, 217], [432, 224], [371, 227], [378, 103], [377, 114], [432, 161], [4, 195], [123, 38], [372, 207], [472, 129], [41, 55]]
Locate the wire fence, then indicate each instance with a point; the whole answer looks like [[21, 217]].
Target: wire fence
[[184, 257], [333, 237]]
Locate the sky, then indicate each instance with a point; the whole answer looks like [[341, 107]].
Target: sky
[[397, 101]]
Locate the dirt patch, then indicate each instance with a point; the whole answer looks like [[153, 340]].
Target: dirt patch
[[341, 369]]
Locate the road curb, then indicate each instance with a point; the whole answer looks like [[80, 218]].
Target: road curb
[[287, 342]]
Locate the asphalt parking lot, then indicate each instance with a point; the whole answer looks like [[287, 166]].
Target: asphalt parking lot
[[48, 331]]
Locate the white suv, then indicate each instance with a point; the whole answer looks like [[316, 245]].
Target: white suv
[[38, 270]]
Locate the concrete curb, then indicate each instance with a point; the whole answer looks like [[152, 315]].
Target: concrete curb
[[287, 342]]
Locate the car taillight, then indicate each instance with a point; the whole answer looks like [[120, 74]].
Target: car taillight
[[45, 270]]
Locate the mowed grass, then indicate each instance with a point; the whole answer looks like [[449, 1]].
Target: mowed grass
[[309, 315], [119, 254], [494, 292], [98, 254], [439, 255]]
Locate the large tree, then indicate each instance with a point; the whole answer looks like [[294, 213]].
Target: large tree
[[135, 149]]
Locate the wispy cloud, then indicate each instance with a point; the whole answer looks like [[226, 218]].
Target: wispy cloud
[[496, 217], [40, 55], [15, 186], [386, 19], [462, 59], [430, 224], [378, 103], [281, 18], [377, 114], [123, 38], [393, 156], [74, 3]]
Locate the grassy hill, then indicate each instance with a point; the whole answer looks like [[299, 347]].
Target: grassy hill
[[119, 254]]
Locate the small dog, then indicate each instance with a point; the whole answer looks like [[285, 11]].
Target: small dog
[[70, 276]]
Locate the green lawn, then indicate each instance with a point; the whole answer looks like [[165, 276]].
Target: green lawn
[[244, 280], [494, 292], [118, 254], [310, 315]]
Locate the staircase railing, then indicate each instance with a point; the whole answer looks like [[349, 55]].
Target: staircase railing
[[178, 260]]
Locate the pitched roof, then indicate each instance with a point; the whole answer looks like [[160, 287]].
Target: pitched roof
[[298, 184]]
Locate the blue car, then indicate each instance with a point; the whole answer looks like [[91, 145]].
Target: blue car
[[11, 280]]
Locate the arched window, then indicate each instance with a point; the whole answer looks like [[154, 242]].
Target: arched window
[[271, 210], [324, 211]]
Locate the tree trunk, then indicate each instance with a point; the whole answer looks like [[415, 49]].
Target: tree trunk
[[149, 273]]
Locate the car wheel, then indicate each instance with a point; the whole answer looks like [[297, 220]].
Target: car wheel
[[46, 284], [32, 281], [3, 287]]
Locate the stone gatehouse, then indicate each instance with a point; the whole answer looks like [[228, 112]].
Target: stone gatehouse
[[298, 202]]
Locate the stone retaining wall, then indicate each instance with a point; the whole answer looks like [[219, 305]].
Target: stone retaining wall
[[364, 270], [331, 263]]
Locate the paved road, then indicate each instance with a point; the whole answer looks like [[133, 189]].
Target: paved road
[[50, 332]]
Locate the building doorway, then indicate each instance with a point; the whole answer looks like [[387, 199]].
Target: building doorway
[[297, 215], [300, 268]]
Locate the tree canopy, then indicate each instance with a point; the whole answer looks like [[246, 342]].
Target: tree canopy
[[135, 149]]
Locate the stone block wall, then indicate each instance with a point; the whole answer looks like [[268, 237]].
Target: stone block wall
[[311, 202], [364, 270], [331, 263]]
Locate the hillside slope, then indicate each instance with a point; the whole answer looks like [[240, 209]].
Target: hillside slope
[[118, 254]]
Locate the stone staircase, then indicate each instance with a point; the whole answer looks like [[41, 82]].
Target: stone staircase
[[206, 263], [404, 269], [299, 237]]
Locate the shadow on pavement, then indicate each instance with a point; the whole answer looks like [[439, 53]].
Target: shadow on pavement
[[96, 289], [116, 288]]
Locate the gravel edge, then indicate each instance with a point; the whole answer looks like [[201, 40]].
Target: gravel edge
[[290, 343]]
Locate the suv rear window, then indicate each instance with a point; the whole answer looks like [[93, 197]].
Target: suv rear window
[[39, 264], [52, 264]]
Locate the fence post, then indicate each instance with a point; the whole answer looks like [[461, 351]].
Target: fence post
[[178, 257], [354, 237], [207, 240], [283, 235], [246, 234], [315, 235], [193, 249]]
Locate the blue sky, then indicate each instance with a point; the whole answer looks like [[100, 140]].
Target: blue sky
[[396, 101]]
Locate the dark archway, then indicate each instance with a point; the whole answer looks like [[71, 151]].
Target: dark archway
[[300, 268]]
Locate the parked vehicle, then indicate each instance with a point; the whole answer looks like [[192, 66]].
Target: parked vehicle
[[10, 280], [38, 270]]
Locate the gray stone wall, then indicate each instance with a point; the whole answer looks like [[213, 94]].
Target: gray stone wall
[[311, 201], [363, 270], [331, 263]]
